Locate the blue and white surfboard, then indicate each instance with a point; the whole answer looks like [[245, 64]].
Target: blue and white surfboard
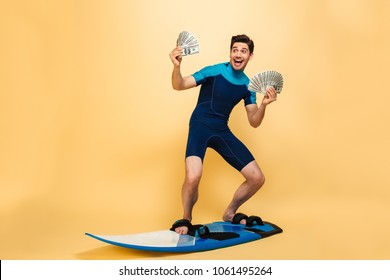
[[170, 241]]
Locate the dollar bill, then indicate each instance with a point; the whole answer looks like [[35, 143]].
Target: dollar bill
[[190, 50], [261, 81], [188, 43]]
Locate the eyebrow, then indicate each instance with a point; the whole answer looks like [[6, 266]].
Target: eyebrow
[[242, 48]]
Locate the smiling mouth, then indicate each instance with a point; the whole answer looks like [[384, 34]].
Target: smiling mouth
[[238, 62]]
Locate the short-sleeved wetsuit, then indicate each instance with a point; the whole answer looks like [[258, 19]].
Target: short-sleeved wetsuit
[[222, 88]]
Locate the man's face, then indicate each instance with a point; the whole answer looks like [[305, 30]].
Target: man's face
[[240, 56]]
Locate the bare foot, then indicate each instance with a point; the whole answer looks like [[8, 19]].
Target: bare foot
[[181, 230], [182, 226], [228, 217]]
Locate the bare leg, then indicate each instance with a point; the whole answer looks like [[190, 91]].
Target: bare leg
[[254, 181], [190, 188]]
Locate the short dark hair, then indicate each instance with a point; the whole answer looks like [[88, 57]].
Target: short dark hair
[[243, 39]]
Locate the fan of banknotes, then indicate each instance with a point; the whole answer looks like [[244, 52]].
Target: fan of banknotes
[[263, 80], [188, 43]]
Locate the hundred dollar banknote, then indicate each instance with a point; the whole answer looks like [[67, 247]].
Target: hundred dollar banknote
[[188, 43]]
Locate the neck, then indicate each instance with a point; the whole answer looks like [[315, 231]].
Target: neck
[[234, 71]]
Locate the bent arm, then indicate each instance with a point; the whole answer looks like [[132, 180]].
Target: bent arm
[[256, 114], [181, 83], [178, 81]]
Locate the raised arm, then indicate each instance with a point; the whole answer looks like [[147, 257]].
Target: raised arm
[[256, 114], [178, 81]]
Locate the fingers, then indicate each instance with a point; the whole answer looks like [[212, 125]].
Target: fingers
[[272, 92], [176, 52], [270, 96], [175, 55], [181, 230]]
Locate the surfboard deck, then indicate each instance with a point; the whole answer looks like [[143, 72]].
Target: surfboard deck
[[170, 241]]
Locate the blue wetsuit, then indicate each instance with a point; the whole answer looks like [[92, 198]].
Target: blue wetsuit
[[222, 88]]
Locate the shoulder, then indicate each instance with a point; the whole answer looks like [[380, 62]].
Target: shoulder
[[212, 70], [208, 71]]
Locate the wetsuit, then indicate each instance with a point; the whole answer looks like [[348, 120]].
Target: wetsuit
[[222, 88]]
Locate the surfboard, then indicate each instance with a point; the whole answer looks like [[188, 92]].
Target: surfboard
[[221, 235]]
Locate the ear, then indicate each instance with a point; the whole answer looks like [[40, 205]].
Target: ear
[[251, 56]]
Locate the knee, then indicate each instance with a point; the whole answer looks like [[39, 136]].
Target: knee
[[192, 180], [257, 180]]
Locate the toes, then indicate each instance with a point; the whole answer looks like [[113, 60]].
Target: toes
[[181, 230], [182, 226], [239, 218]]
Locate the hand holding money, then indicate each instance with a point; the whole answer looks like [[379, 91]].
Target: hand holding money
[[269, 96], [176, 56], [263, 80], [188, 43]]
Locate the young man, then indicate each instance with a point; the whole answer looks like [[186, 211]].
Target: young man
[[223, 86]]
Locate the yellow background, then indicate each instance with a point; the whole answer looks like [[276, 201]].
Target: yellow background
[[93, 136]]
